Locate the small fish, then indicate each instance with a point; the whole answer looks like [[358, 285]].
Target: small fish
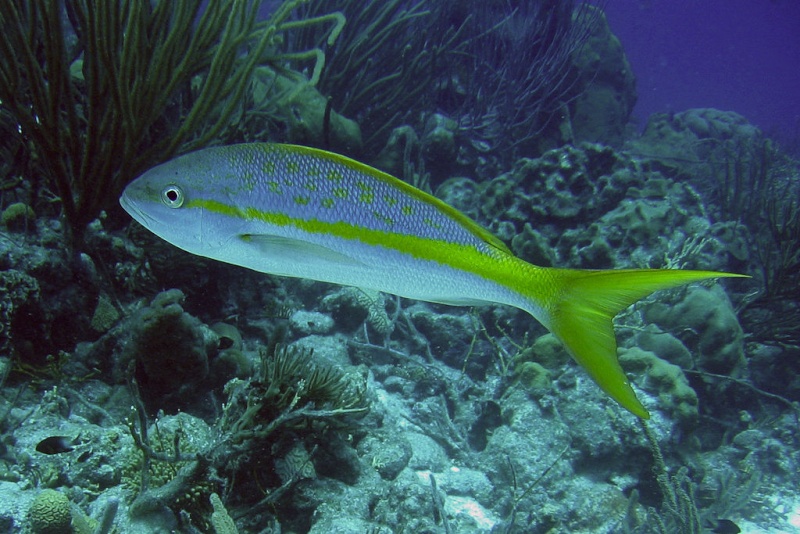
[[55, 445], [724, 526], [301, 212]]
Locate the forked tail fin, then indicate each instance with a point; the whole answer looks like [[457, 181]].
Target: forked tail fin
[[585, 304]]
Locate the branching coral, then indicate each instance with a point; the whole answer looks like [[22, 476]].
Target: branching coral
[[291, 395], [515, 71], [385, 63], [125, 85], [760, 187], [681, 510], [779, 259], [289, 389]]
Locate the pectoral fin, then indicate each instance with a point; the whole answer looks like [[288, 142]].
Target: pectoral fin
[[297, 251]]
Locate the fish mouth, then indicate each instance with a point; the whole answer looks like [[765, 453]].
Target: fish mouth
[[135, 211]]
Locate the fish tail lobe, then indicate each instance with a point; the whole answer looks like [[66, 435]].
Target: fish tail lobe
[[581, 311]]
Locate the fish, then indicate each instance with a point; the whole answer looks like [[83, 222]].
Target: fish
[[723, 526], [56, 445], [303, 212]]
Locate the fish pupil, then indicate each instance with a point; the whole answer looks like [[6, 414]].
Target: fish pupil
[[172, 196]]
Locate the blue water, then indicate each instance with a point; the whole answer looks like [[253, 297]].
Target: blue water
[[739, 55]]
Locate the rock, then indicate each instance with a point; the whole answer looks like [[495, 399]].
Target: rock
[[601, 112], [664, 379], [302, 109], [715, 336]]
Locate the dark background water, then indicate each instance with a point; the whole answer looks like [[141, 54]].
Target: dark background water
[[734, 55]]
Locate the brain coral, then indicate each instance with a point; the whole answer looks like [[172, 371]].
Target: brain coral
[[50, 513]]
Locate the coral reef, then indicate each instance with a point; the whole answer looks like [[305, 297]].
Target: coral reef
[[50, 513], [707, 319], [143, 389], [664, 379]]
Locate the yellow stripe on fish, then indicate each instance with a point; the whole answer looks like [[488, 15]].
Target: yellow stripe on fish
[[303, 212]]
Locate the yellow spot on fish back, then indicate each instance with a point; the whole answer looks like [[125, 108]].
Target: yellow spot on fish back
[[364, 186], [334, 175], [430, 222], [390, 200], [340, 192], [407, 210], [302, 200], [327, 202], [274, 187], [310, 185], [381, 217], [249, 181], [292, 167], [366, 198], [269, 167], [268, 148]]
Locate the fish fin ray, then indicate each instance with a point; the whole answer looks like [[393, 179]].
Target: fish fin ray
[[581, 317]]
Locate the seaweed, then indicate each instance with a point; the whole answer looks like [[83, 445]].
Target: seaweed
[[101, 91], [383, 68], [761, 189], [289, 386], [516, 72], [680, 511]]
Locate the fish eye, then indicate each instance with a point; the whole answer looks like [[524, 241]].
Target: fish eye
[[172, 196]]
